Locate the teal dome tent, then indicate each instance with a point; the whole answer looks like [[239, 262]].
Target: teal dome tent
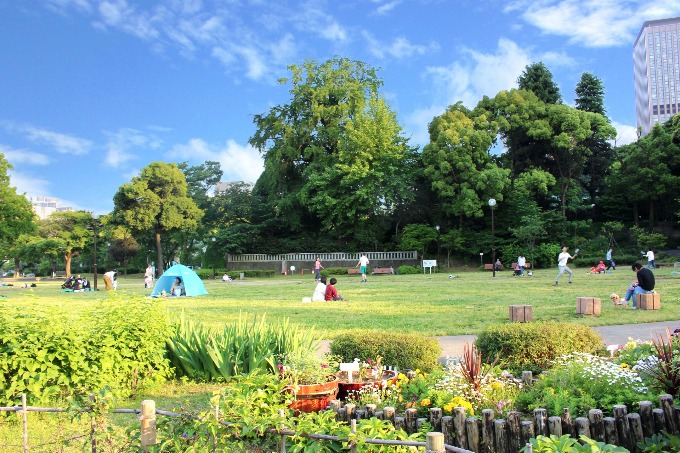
[[193, 285]]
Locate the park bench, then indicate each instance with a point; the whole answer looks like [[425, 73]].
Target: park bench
[[526, 266], [489, 267], [353, 271], [382, 271]]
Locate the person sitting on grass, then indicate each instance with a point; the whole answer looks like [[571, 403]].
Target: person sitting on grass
[[320, 291], [331, 292], [178, 288]]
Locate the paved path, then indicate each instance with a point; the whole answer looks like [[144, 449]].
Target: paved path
[[453, 345]]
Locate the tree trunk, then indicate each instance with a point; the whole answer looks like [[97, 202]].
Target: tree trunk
[[17, 267], [159, 257], [67, 263], [651, 215], [636, 214]]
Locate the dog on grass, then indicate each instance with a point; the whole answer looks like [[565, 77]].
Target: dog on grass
[[616, 300]]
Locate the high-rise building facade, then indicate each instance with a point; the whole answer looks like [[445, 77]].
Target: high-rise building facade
[[656, 66]]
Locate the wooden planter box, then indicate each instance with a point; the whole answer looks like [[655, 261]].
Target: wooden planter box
[[521, 313], [588, 306], [648, 301]]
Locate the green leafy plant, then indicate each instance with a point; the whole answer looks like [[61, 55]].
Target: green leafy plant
[[566, 444], [533, 346], [203, 353], [660, 442], [307, 367], [405, 351]]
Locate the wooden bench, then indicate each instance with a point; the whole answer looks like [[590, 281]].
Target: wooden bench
[[353, 271], [382, 271], [489, 267], [526, 266]]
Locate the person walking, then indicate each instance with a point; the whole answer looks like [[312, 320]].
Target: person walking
[[521, 262], [650, 259], [608, 259], [362, 265], [562, 264]]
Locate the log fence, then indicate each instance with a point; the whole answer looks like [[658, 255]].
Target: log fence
[[453, 433]]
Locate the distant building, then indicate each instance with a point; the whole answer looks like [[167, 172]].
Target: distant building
[[656, 69], [223, 186], [43, 206]]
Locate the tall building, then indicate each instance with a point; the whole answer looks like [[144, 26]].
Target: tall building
[[656, 72], [44, 206]]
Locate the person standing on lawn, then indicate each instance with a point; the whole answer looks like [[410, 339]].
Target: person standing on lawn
[[521, 262], [608, 259], [362, 265], [650, 259], [562, 264], [317, 269]]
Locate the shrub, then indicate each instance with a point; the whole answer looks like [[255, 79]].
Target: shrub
[[405, 351], [53, 354], [409, 270], [205, 274], [333, 271], [533, 346]]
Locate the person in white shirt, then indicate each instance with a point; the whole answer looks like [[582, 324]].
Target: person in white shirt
[[650, 259], [320, 291], [521, 262], [110, 282], [362, 264], [562, 264]]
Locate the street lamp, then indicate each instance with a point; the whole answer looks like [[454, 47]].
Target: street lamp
[[94, 226], [492, 203], [438, 243]]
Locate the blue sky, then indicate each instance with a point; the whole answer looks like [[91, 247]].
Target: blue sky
[[94, 90]]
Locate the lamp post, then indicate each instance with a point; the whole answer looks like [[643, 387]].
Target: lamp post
[[492, 203], [94, 226], [438, 243], [481, 258]]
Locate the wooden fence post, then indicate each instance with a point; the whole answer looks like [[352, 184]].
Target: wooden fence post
[[434, 443], [148, 418], [282, 414], [24, 421], [93, 427], [353, 424]]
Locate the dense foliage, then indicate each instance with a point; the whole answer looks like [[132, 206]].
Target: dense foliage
[[51, 355], [210, 354], [404, 351], [534, 346]]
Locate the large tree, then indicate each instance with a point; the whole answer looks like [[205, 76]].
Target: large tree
[[458, 163], [16, 215], [334, 156], [537, 77], [590, 98], [70, 229], [156, 201]]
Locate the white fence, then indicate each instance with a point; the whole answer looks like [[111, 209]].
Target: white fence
[[337, 256]]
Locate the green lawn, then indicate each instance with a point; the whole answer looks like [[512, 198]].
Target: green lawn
[[427, 304]]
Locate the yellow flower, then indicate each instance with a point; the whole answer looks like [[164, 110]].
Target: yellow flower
[[495, 385], [625, 366], [448, 407], [426, 402], [410, 405]]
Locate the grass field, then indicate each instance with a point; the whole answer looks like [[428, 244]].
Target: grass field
[[427, 304], [431, 304]]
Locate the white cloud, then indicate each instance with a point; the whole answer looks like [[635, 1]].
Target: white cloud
[[590, 23], [121, 143], [239, 163], [468, 79], [399, 48], [625, 134], [19, 157], [118, 14], [386, 7], [62, 143], [30, 185]]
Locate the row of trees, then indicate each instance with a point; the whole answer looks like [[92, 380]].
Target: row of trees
[[339, 174]]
